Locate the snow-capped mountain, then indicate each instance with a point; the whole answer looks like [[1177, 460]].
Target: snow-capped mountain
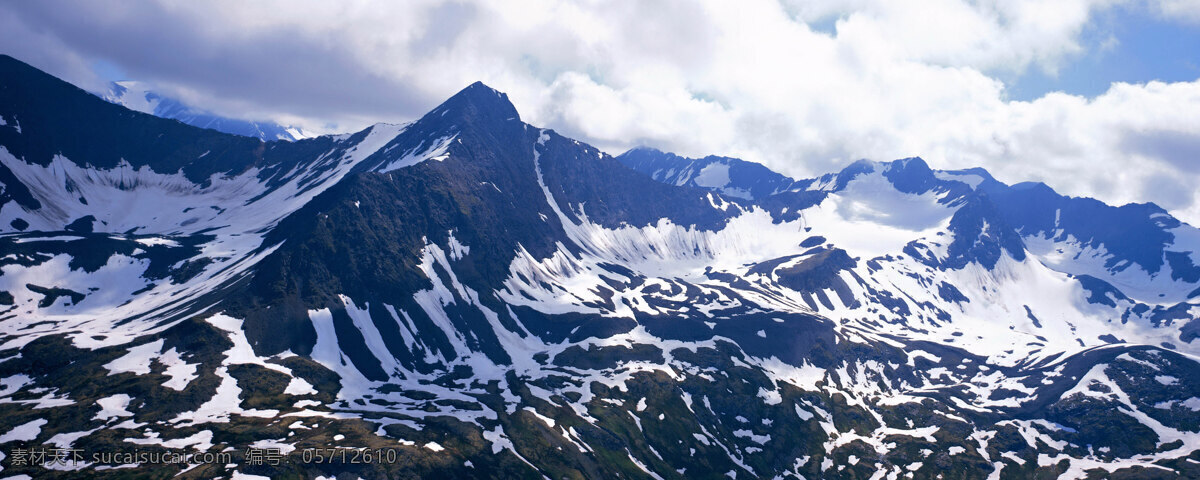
[[1139, 248], [140, 97], [475, 296]]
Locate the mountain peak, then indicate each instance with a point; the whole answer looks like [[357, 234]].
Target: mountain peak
[[645, 149], [480, 86], [910, 162], [477, 111], [479, 102]]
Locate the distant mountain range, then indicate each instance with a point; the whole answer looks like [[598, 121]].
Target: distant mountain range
[[1133, 244], [471, 296], [139, 97]]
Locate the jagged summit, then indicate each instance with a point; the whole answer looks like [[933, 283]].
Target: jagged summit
[[478, 102], [477, 113]]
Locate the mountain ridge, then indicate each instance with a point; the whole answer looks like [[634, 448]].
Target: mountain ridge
[[1034, 213], [139, 97]]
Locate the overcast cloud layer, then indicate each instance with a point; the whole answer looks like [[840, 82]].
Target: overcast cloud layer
[[875, 79]]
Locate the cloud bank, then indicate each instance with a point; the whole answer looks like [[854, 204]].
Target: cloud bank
[[801, 86]]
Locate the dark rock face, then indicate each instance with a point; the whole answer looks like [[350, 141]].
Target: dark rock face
[[477, 297], [57, 118]]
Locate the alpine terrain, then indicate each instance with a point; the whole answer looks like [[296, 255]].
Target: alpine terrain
[[471, 296], [138, 96]]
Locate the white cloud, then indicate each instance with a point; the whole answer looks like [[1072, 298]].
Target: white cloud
[[1184, 10], [45, 50], [985, 34], [749, 78]]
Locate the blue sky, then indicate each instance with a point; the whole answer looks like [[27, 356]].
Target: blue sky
[[802, 86], [1126, 44]]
